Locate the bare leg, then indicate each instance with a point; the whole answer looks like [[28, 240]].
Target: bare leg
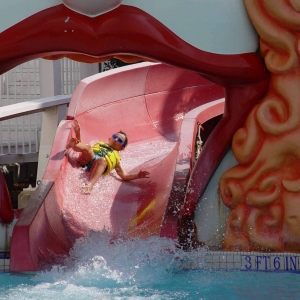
[[86, 155], [72, 142], [97, 169], [86, 151]]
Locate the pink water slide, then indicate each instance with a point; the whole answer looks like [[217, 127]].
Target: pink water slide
[[158, 106]]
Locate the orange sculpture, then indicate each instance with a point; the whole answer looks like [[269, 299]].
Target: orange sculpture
[[263, 190]]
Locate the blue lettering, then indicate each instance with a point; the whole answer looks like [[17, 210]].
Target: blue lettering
[[293, 262], [248, 260], [258, 261], [276, 262], [266, 261]]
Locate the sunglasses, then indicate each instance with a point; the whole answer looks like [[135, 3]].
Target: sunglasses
[[118, 139]]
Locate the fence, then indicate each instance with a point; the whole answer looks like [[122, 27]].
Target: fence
[[21, 135]]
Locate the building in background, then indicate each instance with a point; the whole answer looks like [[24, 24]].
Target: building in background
[[20, 137]]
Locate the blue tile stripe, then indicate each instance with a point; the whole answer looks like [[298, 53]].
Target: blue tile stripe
[[246, 261]]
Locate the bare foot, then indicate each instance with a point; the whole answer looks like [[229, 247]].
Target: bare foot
[[86, 188], [71, 143]]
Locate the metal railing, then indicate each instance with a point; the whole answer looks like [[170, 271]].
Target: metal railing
[[21, 135], [29, 153]]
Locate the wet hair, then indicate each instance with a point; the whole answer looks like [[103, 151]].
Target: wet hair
[[126, 138]]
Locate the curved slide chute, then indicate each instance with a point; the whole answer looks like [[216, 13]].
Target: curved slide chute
[[158, 106]]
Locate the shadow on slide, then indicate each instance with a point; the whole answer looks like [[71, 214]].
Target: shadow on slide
[[158, 106]]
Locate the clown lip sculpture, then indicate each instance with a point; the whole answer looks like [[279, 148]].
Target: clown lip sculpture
[[87, 39]]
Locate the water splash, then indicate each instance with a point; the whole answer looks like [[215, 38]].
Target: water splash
[[99, 268], [122, 261]]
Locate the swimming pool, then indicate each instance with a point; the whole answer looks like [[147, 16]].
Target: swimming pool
[[143, 269]]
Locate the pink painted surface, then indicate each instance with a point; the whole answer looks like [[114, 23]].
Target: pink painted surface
[[147, 101], [185, 155]]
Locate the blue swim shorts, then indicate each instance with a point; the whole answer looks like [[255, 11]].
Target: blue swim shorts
[[88, 166]]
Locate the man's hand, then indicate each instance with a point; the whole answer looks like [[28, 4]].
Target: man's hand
[[142, 174]]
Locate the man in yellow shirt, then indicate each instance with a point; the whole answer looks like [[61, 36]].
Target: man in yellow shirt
[[101, 158]]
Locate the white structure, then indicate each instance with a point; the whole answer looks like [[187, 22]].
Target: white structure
[[20, 138]]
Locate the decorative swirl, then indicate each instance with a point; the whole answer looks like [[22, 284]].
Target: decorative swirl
[[232, 188], [247, 141], [279, 111], [272, 220], [291, 185], [284, 12], [268, 192], [277, 42], [237, 219], [260, 222], [231, 192], [234, 237]]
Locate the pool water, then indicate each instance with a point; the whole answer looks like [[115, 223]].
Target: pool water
[[142, 269]]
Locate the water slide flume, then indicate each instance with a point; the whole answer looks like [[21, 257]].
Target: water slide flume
[[159, 112], [58, 31]]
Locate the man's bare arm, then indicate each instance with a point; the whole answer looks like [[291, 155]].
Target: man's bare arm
[[127, 177]]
